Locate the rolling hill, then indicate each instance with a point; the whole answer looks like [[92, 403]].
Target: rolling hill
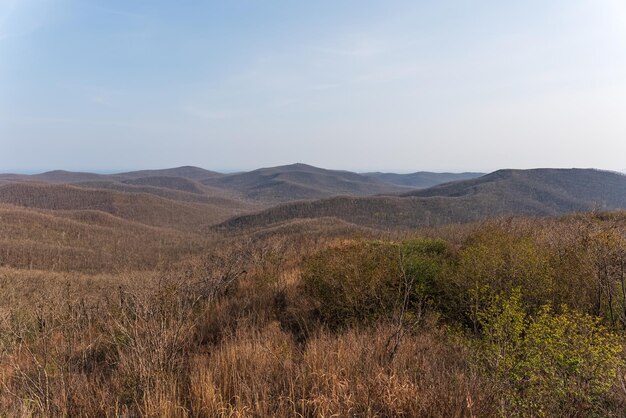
[[63, 176], [422, 179], [210, 195], [300, 182], [85, 240], [188, 172], [181, 184], [504, 192], [56, 176], [265, 186], [144, 208], [555, 189], [187, 198]]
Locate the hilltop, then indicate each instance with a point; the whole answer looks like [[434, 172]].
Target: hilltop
[[265, 186], [504, 192], [63, 176], [570, 187], [299, 182], [422, 179], [181, 184], [188, 172]]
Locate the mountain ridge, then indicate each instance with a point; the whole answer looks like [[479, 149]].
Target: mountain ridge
[[422, 179], [504, 192]]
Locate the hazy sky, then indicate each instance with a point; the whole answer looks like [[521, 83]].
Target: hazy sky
[[362, 85]]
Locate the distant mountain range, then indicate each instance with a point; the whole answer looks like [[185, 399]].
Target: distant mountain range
[[422, 179], [190, 197], [504, 192], [300, 181], [266, 185], [184, 198]]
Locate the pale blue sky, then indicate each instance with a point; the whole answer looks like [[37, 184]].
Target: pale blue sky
[[394, 85]]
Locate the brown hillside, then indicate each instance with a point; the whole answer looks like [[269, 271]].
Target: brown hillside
[[62, 176], [188, 172], [300, 181], [167, 182], [139, 207], [506, 192], [422, 179], [85, 240], [211, 195]]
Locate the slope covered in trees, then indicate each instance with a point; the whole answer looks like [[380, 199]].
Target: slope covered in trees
[[558, 188], [300, 181], [139, 207], [422, 179], [265, 186], [505, 192], [168, 182]]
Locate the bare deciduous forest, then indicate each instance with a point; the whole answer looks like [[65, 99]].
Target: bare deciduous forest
[[121, 302]]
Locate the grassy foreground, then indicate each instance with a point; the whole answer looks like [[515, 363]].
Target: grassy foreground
[[521, 317]]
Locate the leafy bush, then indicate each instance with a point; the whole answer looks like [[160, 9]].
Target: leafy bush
[[494, 261], [549, 364], [365, 281]]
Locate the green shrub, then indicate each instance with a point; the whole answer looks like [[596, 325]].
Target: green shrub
[[549, 364], [365, 281], [492, 262], [353, 283]]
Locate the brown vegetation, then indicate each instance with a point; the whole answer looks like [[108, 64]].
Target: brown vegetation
[[139, 207], [298, 182], [244, 327], [130, 304], [538, 192], [423, 179]]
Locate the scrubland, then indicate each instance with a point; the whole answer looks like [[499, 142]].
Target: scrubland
[[509, 317]]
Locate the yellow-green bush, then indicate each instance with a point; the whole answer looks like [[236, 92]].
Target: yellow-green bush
[[365, 281], [493, 261], [549, 364]]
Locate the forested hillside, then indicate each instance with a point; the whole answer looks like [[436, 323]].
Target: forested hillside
[[505, 192], [422, 179]]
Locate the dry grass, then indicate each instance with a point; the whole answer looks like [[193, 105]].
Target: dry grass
[[227, 333], [262, 373], [146, 344]]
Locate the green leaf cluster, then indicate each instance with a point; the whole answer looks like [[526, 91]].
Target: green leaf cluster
[[550, 364]]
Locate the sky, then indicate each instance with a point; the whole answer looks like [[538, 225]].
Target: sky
[[450, 85]]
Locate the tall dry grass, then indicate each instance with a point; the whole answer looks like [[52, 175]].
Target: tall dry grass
[[211, 339], [229, 334]]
